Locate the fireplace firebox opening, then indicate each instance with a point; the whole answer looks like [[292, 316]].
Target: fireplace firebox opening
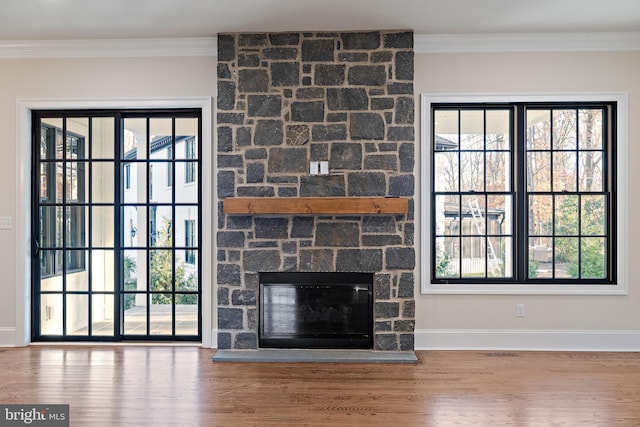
[[331, 310]]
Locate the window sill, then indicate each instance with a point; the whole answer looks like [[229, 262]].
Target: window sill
[[511, 289]]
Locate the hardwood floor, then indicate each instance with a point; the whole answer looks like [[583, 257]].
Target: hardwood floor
[[181, 386]]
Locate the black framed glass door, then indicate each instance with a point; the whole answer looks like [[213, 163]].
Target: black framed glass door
[[116, 225]]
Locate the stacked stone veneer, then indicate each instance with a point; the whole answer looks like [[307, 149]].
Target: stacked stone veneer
[[285, 99]]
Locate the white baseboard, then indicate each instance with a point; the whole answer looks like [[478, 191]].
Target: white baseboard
[[8, 337], [531, 340]]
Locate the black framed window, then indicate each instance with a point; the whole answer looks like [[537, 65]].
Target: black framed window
[[523, 193]]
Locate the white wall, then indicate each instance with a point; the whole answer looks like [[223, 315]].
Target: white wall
[[554, 322], [445, 321], [77, 79]]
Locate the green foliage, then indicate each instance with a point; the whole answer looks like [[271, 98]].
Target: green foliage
[[160, 266], [442, 264], [591, 262]]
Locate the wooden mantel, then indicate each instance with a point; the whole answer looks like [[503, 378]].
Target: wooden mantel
[[316, 205]]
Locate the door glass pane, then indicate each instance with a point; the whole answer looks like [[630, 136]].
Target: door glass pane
[[160, 226], [187, 273], [161, 316], [134, 221], [134, 178], [76, 182], [134, 139], [103, 223], [76, 235], [102, 276], [186, 129], [102, 309], [189, 192], [77, 314], [77, 275], [103, 137], [102, 182], [134, 270], [77, 135], [51, 314], [162, 183], [135, 317], [160, 269], [50, 270], [186, 314], [51, 146]]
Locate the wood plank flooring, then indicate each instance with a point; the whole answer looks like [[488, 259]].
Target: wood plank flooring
[[181, 386]]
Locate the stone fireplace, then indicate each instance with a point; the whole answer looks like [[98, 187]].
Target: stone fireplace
[[284, 100]]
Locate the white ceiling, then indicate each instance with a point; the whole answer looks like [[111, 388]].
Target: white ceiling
[[119, 19]]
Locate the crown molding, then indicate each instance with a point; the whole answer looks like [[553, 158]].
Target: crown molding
[[527, 42], [108, 48]]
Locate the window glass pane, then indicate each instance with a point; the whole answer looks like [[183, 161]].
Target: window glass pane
[[566, 215], [102, 137], [447, 215], [473, 257], [564, 171], [564, 129], [592, 215], [102, 322], [473, 215], [472, 130], [137, 190], [77, 135], [538, 129], [591, 171], [499, 214], [498, 129], [471, 171], [102, 182], [540, 257], [103, 223], [102, 272], [540, 216], [593, 258], [498, 171], [590, 129], [538, 171], [186, 226], [501, 256], [77, 314], [134, 144], [51, 314], [446, 171], [447, 257], [566, 257], [189, 193], [446, 130]]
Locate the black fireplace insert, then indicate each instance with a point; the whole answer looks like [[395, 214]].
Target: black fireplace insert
[[316, 310]]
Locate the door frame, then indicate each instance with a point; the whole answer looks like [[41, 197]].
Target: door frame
[[24, 107]]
